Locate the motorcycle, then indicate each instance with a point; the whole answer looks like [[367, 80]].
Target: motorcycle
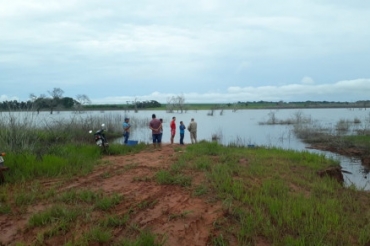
[[2, 168], [100, 138]]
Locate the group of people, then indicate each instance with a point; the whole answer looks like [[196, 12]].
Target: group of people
[[157, 130]]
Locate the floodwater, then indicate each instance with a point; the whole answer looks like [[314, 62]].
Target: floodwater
[[245, 127]]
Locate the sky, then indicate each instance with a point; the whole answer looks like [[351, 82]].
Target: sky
[[207, 51]]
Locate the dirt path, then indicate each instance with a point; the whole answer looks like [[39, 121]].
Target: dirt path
[[168, 210]]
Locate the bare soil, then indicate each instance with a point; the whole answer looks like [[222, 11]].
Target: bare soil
[[171, 211]]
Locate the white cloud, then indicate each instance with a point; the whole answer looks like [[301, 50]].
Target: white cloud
[[4, 98], [350, 90]]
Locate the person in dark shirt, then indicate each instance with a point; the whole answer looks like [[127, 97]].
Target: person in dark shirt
[[155, 126]]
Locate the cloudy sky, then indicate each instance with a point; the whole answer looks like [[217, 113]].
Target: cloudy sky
[[206, 50]]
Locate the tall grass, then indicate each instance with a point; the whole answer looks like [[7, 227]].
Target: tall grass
[[60, 160], [55, 147], [24, 131]]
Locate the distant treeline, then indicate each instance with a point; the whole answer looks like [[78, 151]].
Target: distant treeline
[[39, 103], [305, 104], [68, 103]]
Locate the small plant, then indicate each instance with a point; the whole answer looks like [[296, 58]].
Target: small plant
[[356, 120], [98, 235], [106, 203], [177, 216], [53, 214], [115, 221], [5, 208], [200, 190], [145, 238], [165, 177], [147, 204], [342, 125], [142, 179], [219, 241]]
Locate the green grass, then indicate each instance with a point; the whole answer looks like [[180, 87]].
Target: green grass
[[115, 221], [108, 202], [166, 177], [358, 140], [97, 234], [61, 160], [277, 195], [52, 215], [145, 238]]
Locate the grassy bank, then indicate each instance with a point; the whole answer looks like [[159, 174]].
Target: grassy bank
[[275, 197], [269, 196]]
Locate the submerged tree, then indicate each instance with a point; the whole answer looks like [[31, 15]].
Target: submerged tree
[[175, 103], [56, 95], [82, 100]]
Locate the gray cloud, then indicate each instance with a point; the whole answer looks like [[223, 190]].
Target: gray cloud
[[135, 48]]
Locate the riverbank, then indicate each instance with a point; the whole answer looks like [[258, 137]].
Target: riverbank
[[202, 194]]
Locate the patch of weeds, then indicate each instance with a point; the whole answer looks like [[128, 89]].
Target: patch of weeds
[[147, 204], [130, 166], [89, 196], [60, 228], [134, 227], [40, 239], [106, 175], [53, 214], [166, 177], [142, 179], [115, 221], [5, 208], [25, 198], [49, 193], [200, 190], [219, 241], [106, 203], [178, 216], [145, 238], [75, 197], [179, 166], [202, 163], [97, 235], [20, 244]]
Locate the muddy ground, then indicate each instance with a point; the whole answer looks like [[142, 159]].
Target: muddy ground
[[173, 211]]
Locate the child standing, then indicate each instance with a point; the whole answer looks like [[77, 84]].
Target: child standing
[[182, 132]]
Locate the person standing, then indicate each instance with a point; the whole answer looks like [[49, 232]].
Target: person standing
[[173, 128], [126, 130], [182, 128], [155, 126], [192, 128]]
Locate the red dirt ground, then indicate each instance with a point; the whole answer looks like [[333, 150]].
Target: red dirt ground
[[130, 176]]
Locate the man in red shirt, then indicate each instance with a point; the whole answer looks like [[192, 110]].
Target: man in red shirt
[[173, 128]]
